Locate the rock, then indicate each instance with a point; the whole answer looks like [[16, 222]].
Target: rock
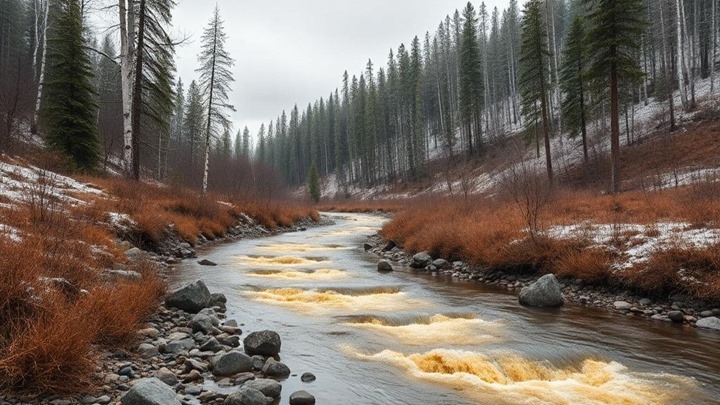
[[135, 254], [269, 388], [645, 301], [103, 400], [227, 340], [206, 262], [126, 371], [231, 323], [545, 292], [242, 378], [217, 300], [191, 364], [264, 343], [367, 246], [421, 260], [384, 266], [88, 400], [231, 363], [622, 305], [150, 391], [709, 323], [191, 298], [167, 376], [389, 246], [148, 350], [178, 346], [201, 323], [658, 317], [676, 316], [192, 376], [706, 314], [275, 369], [246, 396], [441, 264], [302, 398], [194, 391], [307, 377], [212, 345], [151, 333]]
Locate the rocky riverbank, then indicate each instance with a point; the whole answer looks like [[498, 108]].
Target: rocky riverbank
[[678, 308]]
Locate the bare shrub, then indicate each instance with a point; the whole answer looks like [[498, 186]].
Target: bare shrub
[[531, 192]]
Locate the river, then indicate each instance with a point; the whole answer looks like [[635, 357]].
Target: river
[[411, 338]]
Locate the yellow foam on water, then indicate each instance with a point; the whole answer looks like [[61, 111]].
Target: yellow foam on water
[[293, 275], [300, 247], [321, 301], [513, 379], [437, 328], [279, 260]]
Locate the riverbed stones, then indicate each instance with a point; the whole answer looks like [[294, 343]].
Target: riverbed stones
[[217, 300], [709, 323], [275, 369], [232, 363], [167, 376], [545, 292], [202, 323], [212, 345], [206, 262], [384, 266], [622, 305], [390, 245], [307, 377], [264, 343], [302, 398], [269, 388], [246, 396], [192, 298], [676, 316], [150, 391], [421, 260]]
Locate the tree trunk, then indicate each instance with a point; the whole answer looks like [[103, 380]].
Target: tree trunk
[[137, 93], [127, 56], [209, 117], [41, 78], [680, 57], [614, 126], [714, 46], [667, 69]]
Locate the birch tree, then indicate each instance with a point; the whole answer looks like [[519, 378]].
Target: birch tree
[[215, 79]]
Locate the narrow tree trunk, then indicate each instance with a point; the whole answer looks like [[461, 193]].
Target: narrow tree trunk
[[127, 55], [680, 57], [41, 78], [209, 117], [687, 54], [137, 93], [667, 69], [614, 127], [583, 124]]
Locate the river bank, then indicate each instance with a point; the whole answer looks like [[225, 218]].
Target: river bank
[[677, 308]]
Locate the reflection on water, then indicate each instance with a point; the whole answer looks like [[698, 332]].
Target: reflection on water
[[591, 382], [295, 275], [280, 260], [301, 247], [454, 329], [378, 299]]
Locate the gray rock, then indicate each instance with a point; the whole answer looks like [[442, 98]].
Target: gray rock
[[389, 246], [706, 314], [645, 301], [218, 300], [206, 262], [201, 323], [709, 323], [166, 376], [275, 369], [193, 390], [150, 391], [246, 396], [302, 398], [231, 323], [148, 350], [421, 260], [192, 376], [242, 378], [178, 346], [192, 298], [441, 264], [212, 345], [367, 246], [191, 364], [135, 254], [231, 363], [264, 343], [545, 292], [622, 305], [676, 316], [384, 266], [269, 388], [307, 377], [103, 400], [227, 340]]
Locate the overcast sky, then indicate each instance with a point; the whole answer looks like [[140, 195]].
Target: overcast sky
[[295, 51]]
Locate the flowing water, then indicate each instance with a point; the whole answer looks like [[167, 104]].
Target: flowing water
[[410, 338]]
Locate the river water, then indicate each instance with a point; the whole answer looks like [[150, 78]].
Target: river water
[[410, 338]]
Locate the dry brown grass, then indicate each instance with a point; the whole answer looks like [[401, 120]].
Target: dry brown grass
[[359, 206]]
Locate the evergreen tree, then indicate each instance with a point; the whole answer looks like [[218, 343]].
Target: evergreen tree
[[314, 183], [69, 109], [260, 153], [573, 82], [246, 142], [193, 124], [471, 79], [617, 26], [534, 74], [215, 79], [109, 92]]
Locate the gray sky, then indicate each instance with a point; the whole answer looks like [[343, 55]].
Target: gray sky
[[295, 51]]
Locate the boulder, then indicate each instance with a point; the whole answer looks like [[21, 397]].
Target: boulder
[[246, 396], [201, 323], [367, 246], [307, 377], [217, 300], [166, 376], [302, 398], [264, 343], [543, 293], [275, 369], [206, 262], [676, 316], [384, 266], [389, 246], [231, 363], [150, 391], [622, 305], [709, 323], [269, 388], [178, 346], [192, 298], [212, 345], [148, 350], [421, 260], [441, 264]]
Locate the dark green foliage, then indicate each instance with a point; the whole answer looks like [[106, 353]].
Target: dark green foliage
[[69, 109], [471, 78], [313, 184], [573, 82]]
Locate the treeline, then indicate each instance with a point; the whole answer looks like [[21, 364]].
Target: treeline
[[109, 105], [553, 68]]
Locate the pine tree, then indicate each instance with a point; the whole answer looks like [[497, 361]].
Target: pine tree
[[109, 92], [573, 82], [617, 26], [471, 79], [193, 123], [69, 109], [313, 184], [534, 74], [246, 142], [215, 79], [261, 147]]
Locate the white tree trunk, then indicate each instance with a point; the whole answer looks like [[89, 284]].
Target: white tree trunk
[[689, 44], [680, 56], [127, 57], [714, 46], [41, 78]]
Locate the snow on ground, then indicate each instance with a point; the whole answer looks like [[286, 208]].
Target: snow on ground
[[18, 182], [11, 233], [637, 243]]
